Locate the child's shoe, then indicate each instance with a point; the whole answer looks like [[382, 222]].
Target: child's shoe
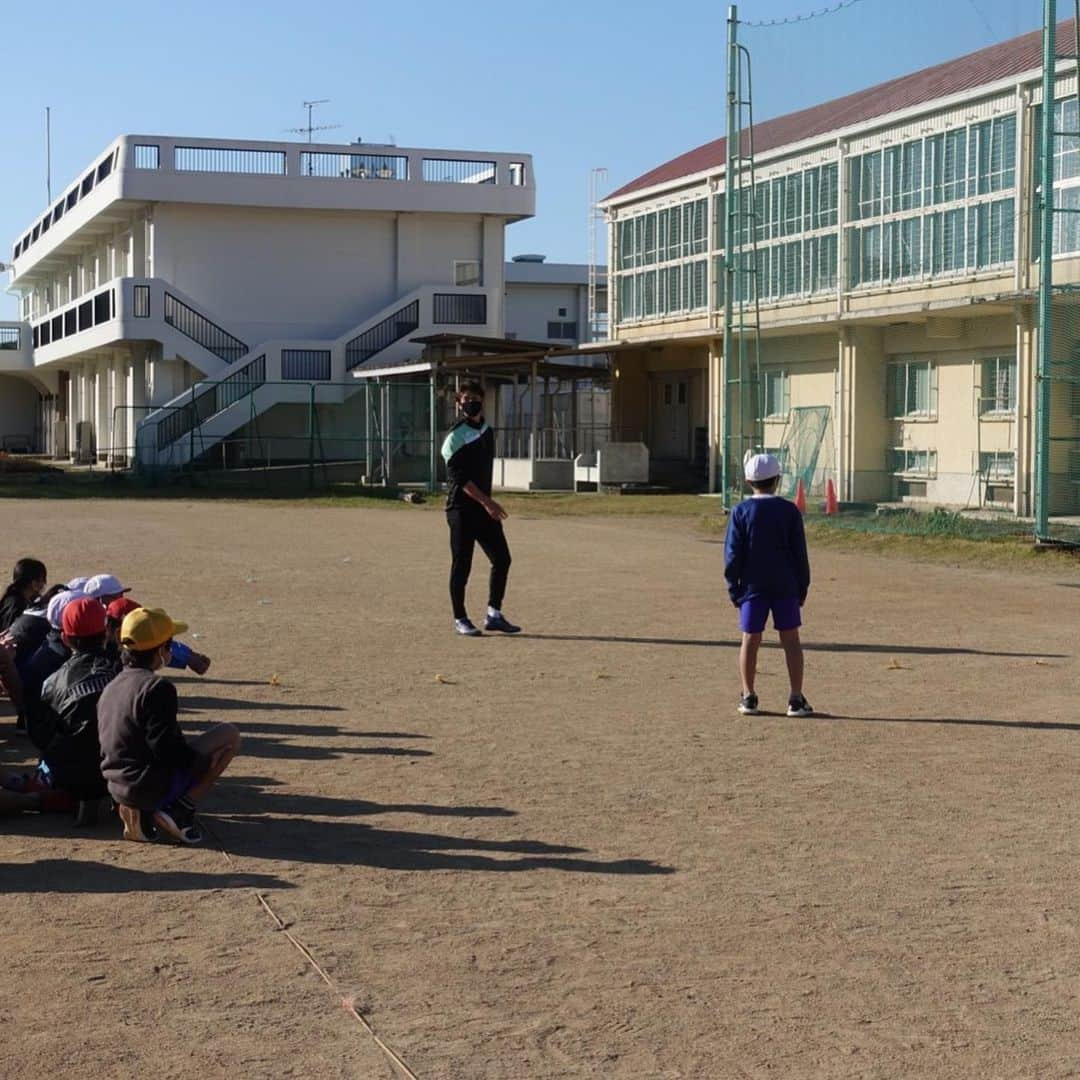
[[178, 820], [798, 706], [748, 704], [138, 825]]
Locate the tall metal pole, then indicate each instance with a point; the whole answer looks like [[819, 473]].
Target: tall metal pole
[[731, 197], [1046, 274], [433, 433]]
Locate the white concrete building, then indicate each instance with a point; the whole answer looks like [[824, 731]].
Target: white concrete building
[[550, 301], [258, 266]]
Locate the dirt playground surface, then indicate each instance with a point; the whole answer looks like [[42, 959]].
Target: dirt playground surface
[[562, 855]]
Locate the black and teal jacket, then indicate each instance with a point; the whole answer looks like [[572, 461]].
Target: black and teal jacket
[[469, 453]]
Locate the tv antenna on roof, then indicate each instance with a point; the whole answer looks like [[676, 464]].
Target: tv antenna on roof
[[310, 106]]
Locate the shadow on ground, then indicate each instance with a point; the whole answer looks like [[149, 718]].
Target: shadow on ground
[[809, 646], [79, 876]]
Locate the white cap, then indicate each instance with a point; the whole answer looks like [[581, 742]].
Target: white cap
[[77, 584], [55, 611], [760, 467], [104, 585]]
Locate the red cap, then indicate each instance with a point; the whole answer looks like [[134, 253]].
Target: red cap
[[119, 608], [83, 618]]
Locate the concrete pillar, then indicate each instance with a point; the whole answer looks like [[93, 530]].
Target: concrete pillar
[[137, 267], [494, 275], [714, 393], [865, 431], [165, 379], [1026, 363]]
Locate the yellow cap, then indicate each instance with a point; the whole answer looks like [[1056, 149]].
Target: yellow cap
[[147, 628]]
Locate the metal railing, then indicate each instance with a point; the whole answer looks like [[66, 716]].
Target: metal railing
[[393, 328], [141, 302], [9, 337], [458, 171], [200, 329], [305, 364], [227, 159], [146, 156], [354, 166], [551, 443], [208, 401], [460, 309]]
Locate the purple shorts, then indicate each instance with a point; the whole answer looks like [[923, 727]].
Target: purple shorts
[[754, 613], [182, 781]]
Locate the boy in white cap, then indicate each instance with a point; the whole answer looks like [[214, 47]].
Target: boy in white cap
[[767, 570]]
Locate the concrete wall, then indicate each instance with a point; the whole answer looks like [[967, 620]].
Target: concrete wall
[[18, 410], [530, 307]]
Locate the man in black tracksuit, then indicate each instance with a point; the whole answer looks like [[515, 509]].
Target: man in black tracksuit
[[472, 514]]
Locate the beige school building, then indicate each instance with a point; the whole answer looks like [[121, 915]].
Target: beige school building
[[893, 246]]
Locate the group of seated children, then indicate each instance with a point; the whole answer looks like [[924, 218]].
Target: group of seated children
[[81, 665]]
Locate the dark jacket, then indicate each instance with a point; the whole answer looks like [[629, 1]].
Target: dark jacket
[[29, 630], [64, 727], [48, 657], [142, 746], [469, 453], [765, 551], [12, 605]]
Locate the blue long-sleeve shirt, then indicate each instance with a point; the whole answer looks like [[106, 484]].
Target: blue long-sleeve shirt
[[765, 550]]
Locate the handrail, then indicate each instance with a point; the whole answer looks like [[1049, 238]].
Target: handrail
[[203, 331], [406, 320], [210, 401]]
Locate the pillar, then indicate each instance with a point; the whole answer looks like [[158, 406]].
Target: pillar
[[714, 391]]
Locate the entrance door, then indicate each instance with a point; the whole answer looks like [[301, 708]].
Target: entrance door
[[671, 417]]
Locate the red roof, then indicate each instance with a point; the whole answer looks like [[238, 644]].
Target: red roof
[[952, 77]]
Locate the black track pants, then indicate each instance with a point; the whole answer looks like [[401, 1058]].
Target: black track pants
[[469, 527]]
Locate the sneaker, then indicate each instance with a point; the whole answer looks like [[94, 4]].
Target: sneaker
[[178, 820], [748, 704], [501, 624], [138, 824], [798, 706], [465, 628]]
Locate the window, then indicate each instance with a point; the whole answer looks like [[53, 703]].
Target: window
[[921, 463], [912, 389], [516, 172], [998, 466], [997, 396], [562, 313], [777, 395], [466, 272], [560, 331]]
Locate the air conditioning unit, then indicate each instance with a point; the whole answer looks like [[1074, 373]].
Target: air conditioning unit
[[85, 448]]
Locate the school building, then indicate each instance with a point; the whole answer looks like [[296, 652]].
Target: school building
[[894, 250], [273, 272]]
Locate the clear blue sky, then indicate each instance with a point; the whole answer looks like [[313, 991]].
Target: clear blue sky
[[625, 84]]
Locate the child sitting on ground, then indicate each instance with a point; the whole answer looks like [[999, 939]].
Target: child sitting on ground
[[65, 726], [155, 775], [183, 656], [767, 569]]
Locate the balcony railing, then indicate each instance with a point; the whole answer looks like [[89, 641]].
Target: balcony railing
[[380, 336], [460, 309], [200, 329], [9, 337], [354, 166], [306, 365], [458, 171], [228, 159]]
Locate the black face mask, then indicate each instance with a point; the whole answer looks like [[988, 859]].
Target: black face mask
[[472, 408]]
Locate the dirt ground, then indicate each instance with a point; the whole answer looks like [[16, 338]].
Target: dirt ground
[[564, 854]]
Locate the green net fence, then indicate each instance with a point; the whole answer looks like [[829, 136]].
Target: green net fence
[[806, 451]]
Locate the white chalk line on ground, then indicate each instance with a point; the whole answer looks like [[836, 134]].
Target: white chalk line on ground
[[347, 1003]]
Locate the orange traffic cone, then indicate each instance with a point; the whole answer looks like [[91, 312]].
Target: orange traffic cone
[[832, 504], [800, 496]]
